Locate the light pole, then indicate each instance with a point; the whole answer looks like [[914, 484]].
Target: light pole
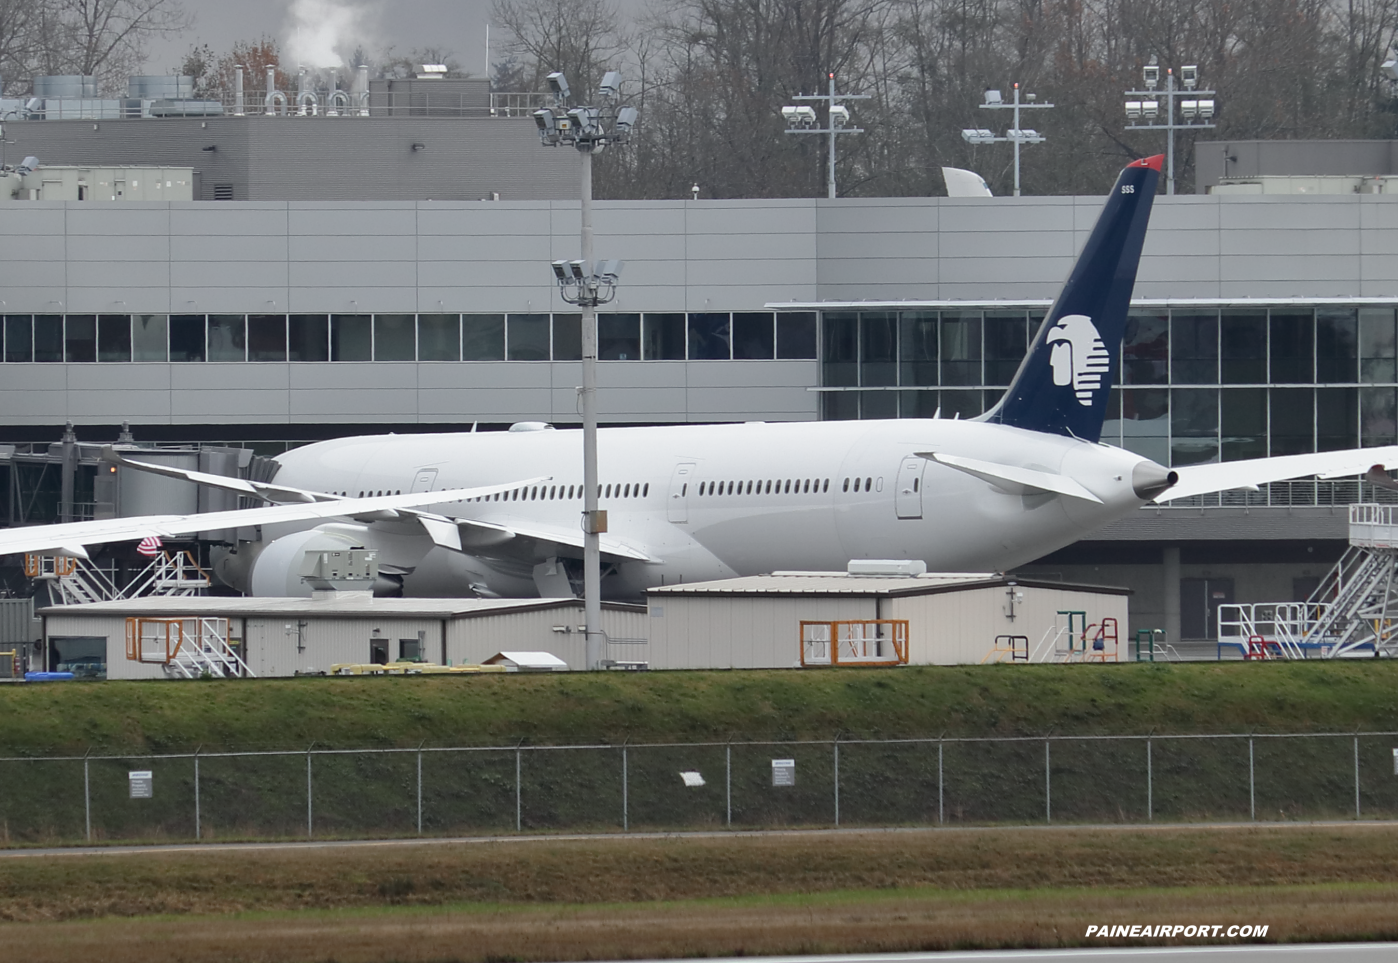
[[802, 120], [1015, 135], [581, 282], [1197, 113]]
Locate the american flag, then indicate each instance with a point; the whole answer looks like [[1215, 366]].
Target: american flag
[[150, 545]]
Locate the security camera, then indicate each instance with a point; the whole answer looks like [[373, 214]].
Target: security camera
[[560, 270], [578, 269]]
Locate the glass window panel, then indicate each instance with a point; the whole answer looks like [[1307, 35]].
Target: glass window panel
[[1378, 414], [308, 337], [1377, 346], [567, 337], [709, 337], [961, 348], [918, 404], [878, 404], [150, 337], [114, 337], [917, 347], [228, 337], [962, 404], [1243, 347], [1336, 345], [395, 337], [1111, 425], [1293, 421], [19, 337], [1193, 425], [1194, 348], [527, 337], [439, 337], [1336, 418], [796, 335], [1145, 422], [839, 405], [351, 337], [80, 338], [482, 337], [1145, 349], [840, 337], [187, 337], [266, 337], [1242, 416], [1005, 341], [1293, 346], [619, 337], [754, 335], [663, 336], [878, 349], [48, 337]]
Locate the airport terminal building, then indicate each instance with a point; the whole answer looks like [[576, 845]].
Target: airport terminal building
[[1262, 325]]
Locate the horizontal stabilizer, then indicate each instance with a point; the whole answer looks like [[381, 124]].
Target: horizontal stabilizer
[[1205, 479], [1015, 480]]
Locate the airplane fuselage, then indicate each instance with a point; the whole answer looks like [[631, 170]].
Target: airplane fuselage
[[703, 502]]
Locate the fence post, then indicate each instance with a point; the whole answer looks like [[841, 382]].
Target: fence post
[[517, 806], [87, 797], [837, 780], [1356, 777], [1150, 783], [310, 813], [941, 799], [198, 830], [1048, 786], [728, 784], [419, 789], [625, 793], [1252, 783]]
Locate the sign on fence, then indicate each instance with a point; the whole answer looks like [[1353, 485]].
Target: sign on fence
[[783, 772], [142, 783]]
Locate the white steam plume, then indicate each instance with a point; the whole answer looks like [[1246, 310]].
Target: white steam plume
[[324, 33]]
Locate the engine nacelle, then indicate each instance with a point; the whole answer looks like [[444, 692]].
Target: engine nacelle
[[274, 569]]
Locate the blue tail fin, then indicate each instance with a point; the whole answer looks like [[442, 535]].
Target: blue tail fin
[[1063, 385]]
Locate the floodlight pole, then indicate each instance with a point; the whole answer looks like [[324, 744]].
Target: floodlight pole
[[1170, 92], [831, 99], [1015, 136], [594, 642]]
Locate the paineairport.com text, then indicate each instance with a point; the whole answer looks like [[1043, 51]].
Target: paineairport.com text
[[1174, 930]]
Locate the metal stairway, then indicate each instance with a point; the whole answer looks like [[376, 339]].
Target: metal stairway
[[77, 581]]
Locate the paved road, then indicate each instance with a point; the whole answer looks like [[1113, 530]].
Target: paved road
[[191, 847], [1286, 953]]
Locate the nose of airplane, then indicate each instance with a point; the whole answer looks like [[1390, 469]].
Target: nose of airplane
[[1149, 479]]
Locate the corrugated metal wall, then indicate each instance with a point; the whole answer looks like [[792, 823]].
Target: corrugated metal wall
[[532, 630], [743, 632], [17, 622]]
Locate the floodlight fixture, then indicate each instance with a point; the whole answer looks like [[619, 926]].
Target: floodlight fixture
[[1031, 97], [1151, 75], [1189, 108], [625, 120], [789, 112], [579, 269], [608, 271], [839, 116], [806, 116], [1150, 109], [993, 97], [1206, 109], [978, 135], [560, 270], [1133, 109], [558, 85], [1390, 67], [1189, 76], [610, 87]]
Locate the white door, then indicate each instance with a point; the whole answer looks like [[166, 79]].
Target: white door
[[425, 479], [677, 507], [907, 497]]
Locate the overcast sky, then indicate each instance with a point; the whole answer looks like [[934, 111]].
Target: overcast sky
[[312, 27]]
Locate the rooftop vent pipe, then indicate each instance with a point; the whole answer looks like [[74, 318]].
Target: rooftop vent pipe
[[238, 106], [275, 102]]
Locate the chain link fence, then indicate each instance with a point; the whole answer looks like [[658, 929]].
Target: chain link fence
[[695, 786]]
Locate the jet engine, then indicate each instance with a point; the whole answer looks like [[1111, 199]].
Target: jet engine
[[275, 568]]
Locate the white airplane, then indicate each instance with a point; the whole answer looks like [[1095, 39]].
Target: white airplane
[[498, 513]]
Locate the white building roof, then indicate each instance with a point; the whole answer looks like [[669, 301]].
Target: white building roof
[[842, 583], [342, 607]]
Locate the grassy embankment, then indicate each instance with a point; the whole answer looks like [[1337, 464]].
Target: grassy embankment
[[369, 795]]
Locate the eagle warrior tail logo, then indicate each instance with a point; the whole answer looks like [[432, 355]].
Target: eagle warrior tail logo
[[1078, 356]]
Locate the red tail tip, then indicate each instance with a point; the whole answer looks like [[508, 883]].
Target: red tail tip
[[1154, 163]]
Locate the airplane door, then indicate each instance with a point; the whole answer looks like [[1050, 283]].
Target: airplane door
[[677, 505], [425, 479], [907, 497]]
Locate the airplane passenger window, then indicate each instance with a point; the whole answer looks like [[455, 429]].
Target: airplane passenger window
[[645, 492], [730, 488], [609, 491], [626, 492], [846, 488], [806, 489], [868, 484], [826, 486], [769, 487], [856, 484]]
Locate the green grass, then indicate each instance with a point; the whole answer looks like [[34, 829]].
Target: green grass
[[698, 706]]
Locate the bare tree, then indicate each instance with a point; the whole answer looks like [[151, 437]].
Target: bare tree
[[105, 38]]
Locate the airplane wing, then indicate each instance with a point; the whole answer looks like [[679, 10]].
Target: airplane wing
[[264, 490], [1016, 481], [1204, 479], [71, 538]]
